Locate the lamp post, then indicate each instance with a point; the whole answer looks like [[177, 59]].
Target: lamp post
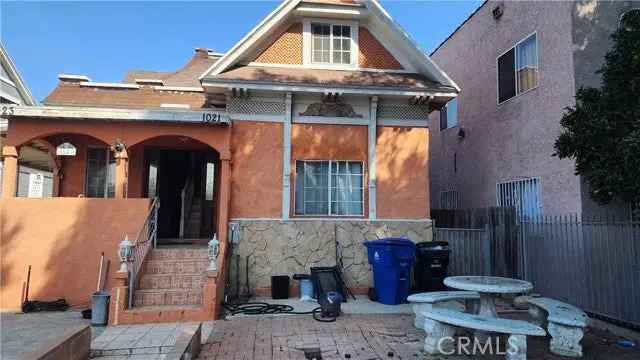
[[125, 252], [212, 252]]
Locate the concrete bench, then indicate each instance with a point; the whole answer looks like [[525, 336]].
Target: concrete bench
[[565, 323], [445, 322], [445, 299]]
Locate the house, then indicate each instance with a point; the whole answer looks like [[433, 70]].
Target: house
[[307, 137], [519, 65], [14, 91]]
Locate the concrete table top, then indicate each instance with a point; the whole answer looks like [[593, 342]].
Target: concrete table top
[[489, 284]]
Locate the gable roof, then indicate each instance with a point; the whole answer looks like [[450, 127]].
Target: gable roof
[[420, 61], [14, 76]]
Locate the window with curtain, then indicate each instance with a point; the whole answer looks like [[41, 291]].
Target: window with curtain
[[449, 115], [101, 173], [329, 188], [330, 43], [518, 69]]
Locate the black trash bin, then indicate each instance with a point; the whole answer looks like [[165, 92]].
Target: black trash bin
[[432, 260]]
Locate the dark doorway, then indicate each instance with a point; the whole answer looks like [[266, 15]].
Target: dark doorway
[[184, 180]]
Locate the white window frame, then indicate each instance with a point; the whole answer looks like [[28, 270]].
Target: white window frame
[[447, 112], [86, 170], [307, 58], [515, 68], [329, 214]]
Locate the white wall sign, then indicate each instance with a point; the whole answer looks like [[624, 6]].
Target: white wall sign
[[66, 149], [36, 185]]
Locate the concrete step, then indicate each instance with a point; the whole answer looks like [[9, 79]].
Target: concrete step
[[175, 266], [171, 281], [167, 297], [191, 253]]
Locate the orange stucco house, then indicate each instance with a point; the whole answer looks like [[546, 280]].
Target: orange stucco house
[[305, 138]]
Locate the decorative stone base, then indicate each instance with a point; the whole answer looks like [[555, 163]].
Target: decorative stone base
[[565, 340], [276, 247], [439, 338]]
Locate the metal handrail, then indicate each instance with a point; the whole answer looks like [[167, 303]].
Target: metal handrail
[[146, 239], [186, 197]]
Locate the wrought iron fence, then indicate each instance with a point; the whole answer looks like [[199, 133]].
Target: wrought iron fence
[[145, 240], [470, 250], [591, 263]]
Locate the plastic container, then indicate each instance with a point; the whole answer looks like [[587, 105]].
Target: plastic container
[[305, 286], [280, 287], [391, 259], [432, 260], [100, 308]]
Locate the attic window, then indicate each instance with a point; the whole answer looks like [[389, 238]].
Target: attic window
[[331, 43]]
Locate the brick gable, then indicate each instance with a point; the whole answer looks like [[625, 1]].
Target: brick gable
[[373, 55], [287, 49]]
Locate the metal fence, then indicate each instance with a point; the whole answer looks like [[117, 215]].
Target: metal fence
[[591, 263], [470, 250]]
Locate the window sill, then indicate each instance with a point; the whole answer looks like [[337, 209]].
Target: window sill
[[519, 95]]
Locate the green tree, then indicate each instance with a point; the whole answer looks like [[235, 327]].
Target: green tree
[[602, 132]]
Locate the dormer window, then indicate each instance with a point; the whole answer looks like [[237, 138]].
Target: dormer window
[[330, 43]]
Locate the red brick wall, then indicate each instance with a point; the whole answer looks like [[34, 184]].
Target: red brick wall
[[287, 49]]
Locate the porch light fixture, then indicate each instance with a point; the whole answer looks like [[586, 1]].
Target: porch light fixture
[[118, 145], [212, 252], [125, 252]]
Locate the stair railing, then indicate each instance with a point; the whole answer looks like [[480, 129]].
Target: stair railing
[[146, 239], [186, 197]]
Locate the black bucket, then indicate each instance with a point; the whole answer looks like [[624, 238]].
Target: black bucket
[[280, 287]]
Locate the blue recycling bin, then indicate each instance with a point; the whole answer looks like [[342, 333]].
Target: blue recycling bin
[[391, 259]]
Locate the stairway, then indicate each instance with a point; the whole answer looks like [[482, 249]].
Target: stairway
[[172, 276], [194, 219]]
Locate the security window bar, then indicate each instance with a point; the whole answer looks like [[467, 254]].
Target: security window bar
[[329, 188], [450, 199], [330, 44], [101, 170], [522, 194], [518, 69]]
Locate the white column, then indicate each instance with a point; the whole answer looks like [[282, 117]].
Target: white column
[[286, 158], [373, 122]]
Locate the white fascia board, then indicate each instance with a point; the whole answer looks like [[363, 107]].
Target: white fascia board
[[411, 46], [73, 77], [325, 89], [17, 78], [179, 88], [241, 47], [110, 85], [117, 114]]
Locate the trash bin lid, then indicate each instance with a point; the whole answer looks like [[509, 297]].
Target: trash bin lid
[[390, 241], [433, 245], [301, 276]]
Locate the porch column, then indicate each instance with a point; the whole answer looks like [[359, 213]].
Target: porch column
[[372, 139], [286, 159], [225, 198], [9, 171], [122, 176]]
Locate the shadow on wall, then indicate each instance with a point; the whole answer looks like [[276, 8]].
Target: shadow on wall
[[402, 172], [62, 239]]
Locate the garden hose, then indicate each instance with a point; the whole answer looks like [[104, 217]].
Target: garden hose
[[262, 308]]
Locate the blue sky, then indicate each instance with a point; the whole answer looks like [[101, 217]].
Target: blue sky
[[104, 39]]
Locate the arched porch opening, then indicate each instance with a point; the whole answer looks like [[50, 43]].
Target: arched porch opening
[[183, 173]]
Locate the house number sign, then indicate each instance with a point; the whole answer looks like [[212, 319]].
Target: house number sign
[[66, 149], [211, 118]]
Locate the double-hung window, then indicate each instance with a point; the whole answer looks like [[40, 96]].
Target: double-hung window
[[518, 69], [101, 172], [329, 188], [449, 115], [330, 43]]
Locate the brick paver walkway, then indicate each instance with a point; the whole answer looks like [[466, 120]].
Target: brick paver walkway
[[288, 337]]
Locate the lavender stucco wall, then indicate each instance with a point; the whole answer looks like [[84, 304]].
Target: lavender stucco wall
[[514, 139]]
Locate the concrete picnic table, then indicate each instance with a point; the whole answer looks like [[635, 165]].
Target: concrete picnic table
[[488, 287]]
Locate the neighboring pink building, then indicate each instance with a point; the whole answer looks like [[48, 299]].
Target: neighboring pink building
[[518, 65]]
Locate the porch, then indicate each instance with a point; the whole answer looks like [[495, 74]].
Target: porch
[[104, 175]]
